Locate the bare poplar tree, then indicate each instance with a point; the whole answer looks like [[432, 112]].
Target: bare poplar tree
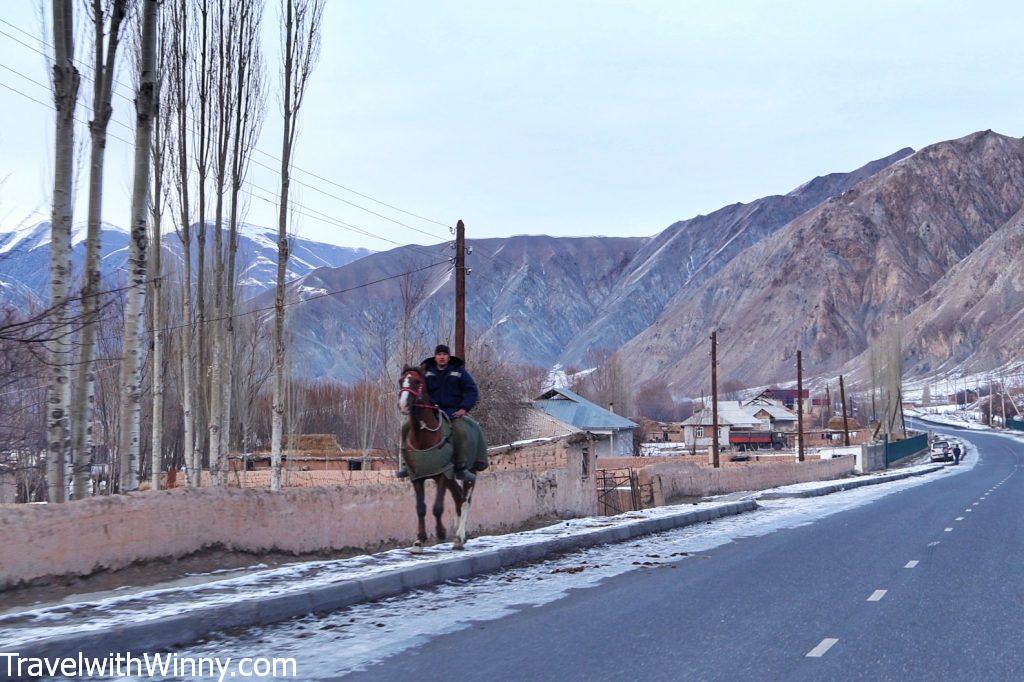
[[249, 110], [224, 37], [161, 130], [300, 50], [65, 98], [104, 65], [202, 121], [179, 73], [131, 381]]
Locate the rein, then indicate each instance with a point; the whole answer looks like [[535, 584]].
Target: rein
[[417, 397]]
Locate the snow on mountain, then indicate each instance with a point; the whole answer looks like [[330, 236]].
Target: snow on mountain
[[25, 258]]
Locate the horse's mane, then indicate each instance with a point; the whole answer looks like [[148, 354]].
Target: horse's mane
[[411, 368]]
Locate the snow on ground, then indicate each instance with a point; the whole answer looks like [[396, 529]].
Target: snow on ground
[[960, 419], [326, 646]]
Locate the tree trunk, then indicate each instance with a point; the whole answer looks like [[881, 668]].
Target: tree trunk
[[301, 48], [181, 70], [84, 387], [131, 389], [58, 393]]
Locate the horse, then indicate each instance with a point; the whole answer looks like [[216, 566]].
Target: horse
[[428, 436]]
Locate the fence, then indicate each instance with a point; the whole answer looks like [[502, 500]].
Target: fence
[[901, 449]]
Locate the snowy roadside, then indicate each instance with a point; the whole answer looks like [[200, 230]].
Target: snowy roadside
[[279, 593], [327, 646]]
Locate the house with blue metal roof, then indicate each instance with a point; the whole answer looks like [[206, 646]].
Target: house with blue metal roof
[[571, 412]]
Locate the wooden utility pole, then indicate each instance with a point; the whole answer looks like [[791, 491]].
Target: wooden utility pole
[[799, 407], [460, 289], [846, 425], [714, 400]]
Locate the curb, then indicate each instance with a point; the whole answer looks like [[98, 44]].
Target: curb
[[184, 628], [848, 485]]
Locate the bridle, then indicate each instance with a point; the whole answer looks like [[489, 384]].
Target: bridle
[[417, 396]]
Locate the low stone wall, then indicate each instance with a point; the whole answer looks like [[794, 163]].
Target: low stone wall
[[692, 479], [79, 538]]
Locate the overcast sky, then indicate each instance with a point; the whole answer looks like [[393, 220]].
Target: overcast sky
[[577, 118]]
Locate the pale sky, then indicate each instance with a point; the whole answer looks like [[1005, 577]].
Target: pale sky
[[578, 118]]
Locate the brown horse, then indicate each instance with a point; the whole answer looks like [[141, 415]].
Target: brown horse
[[424, 432]]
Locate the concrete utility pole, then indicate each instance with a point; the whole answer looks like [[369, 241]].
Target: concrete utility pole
[[846, 425], [460, 289], [714, 399], [799, 407]]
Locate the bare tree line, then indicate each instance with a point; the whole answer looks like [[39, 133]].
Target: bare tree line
[[166, 363], [200, 88]]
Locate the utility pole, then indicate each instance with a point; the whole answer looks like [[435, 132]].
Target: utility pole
[[714, 399], [460, 289], [799, 407], [846, 425], [828, 403]]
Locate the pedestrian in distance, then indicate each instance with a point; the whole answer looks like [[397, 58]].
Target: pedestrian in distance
[[956, 455]]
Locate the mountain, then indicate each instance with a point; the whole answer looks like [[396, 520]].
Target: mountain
[[692, 251], [838, 274], [542, 300], [529, 296], [25, 259], [973, 316]]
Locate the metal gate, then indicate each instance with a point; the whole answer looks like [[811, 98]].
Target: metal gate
[[618, 491]]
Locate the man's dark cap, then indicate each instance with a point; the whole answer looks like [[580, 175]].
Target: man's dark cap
[[441, 348]]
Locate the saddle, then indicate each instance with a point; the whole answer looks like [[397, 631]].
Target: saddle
[[440, 459]]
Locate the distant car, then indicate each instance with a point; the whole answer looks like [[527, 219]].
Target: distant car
[[941, 451]]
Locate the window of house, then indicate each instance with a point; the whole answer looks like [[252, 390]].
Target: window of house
[[699, 431]]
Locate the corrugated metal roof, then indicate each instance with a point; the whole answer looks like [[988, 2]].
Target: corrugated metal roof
[[571, 408]]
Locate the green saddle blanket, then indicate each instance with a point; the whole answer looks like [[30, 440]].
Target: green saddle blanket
[[467, 435]]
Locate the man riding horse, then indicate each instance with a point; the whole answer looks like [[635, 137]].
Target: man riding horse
[[452, 389]]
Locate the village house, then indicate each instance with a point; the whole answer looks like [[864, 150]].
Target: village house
[[759, 424], [662, 432], [559, 411], [787, 397]]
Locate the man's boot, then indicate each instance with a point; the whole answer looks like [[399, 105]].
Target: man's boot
[[462, 472]]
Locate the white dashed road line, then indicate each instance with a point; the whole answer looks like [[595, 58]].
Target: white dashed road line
[[819, 651], [877, 595], [949, 530], [959, 518], [911, 564]]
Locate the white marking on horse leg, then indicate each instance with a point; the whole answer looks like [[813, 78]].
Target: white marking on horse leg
[[461, 532], [417, 547]]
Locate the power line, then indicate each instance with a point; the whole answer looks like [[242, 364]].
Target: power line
[[327, 218], [266, 154], [487, 253]]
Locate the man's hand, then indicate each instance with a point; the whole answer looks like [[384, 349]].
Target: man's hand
[[459, 413]]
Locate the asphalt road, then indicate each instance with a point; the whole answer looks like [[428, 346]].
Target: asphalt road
[[947, 554]]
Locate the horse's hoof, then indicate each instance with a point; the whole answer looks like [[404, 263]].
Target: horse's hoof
[[458, 544], [416, 548]]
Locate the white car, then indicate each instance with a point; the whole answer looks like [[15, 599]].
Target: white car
[[941, 450]]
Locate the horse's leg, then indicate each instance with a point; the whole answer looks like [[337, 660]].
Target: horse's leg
[[421, 514], [459, 501], [439, 484], [460, 531]]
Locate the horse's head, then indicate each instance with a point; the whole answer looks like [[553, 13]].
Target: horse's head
[[412, 389]]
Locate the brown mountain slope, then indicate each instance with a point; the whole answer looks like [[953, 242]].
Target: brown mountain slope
[[973, 316], [691, 251], [833, 276]]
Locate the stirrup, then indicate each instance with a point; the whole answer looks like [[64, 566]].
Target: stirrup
[[402, 473]]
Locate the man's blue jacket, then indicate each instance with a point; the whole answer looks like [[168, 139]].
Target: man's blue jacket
[[452, 388]]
